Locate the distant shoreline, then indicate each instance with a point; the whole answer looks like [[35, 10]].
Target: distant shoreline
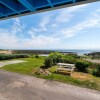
[[74, 51], [80, 52]]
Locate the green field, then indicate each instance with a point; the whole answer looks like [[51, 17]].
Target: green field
[[88, 81], [26, 67]]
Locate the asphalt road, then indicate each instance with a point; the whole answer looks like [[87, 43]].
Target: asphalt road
[[15, 86]]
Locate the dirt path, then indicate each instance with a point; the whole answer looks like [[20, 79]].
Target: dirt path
[[15, 86], [3, 63]]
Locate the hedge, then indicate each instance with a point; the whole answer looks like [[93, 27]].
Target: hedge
[[12, 56]]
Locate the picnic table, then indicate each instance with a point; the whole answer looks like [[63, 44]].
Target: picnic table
[[65, 68]]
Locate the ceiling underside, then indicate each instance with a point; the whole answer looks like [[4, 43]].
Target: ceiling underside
[[15, 8]]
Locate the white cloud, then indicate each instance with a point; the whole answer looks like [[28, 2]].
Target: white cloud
[[39, 40], [42, 26], [44, 22], [9, 39], [17, 26], [65, 15], [92, 21], [48, 23]]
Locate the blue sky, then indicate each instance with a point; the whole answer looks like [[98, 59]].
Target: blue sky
[[75, 27]]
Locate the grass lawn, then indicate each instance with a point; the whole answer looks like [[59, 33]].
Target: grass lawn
[[77, 78], [25, 67]]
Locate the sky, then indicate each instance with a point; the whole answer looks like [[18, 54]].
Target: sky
[[75, 27]]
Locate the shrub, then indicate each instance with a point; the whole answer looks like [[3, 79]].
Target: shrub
[[96, 71], [73, 56], [69, 58], [56, 56], [53, 59], [82, 66], [36, 56], [48, 62]]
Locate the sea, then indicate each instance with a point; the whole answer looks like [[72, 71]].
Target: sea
[[78, 51]]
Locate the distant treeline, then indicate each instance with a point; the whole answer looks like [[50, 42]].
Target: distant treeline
[[39, 52], [32, 51]]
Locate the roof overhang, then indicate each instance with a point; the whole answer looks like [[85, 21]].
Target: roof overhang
[[16, 8]]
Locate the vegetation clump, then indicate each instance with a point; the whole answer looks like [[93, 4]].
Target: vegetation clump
[[82, 66], [53, 59], [96, 71], [70, 58], [57, 57], [48, 62], [36, 56]]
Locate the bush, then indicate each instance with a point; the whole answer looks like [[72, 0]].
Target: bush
[[82, 66], [56, 56], [69, 58], [48, 62], [75, 56], [36, 56], [96, 71]]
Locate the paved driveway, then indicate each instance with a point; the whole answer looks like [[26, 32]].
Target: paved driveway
[[3, 63], [15, 86]]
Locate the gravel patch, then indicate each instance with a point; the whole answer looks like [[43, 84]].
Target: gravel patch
[[3, 63]]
